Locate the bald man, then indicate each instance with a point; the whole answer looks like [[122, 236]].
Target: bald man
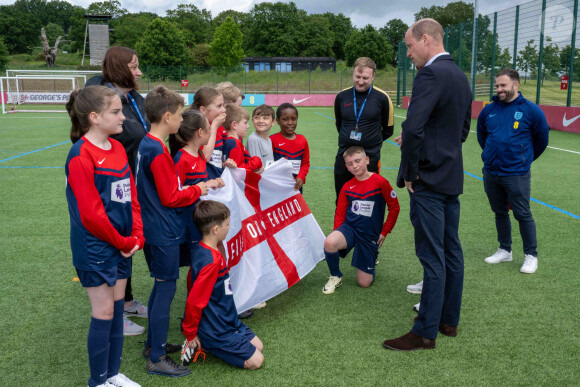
[[437, 123]]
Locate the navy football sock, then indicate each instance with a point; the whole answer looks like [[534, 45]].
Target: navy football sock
[[159, 319], [149, 308], [116, 339], [98, 347], [333, 261]]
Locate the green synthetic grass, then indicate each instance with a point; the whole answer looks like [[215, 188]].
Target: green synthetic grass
[[515, 329]]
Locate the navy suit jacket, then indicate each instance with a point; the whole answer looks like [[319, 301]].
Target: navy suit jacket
[[438, 122]]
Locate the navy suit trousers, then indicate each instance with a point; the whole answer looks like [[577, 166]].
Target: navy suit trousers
[[435, 218]]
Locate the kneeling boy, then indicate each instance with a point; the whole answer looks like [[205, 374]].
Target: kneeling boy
[[358, 221], [211, 319]]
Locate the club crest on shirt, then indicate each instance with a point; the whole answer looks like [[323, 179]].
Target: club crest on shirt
[[228, 287], [121, 191], [518, 115], [363, 207]]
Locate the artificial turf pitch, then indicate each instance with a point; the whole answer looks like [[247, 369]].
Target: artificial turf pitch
[[515, 329]]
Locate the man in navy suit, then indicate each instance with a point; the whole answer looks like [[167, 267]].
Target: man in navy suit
[[437, 123]]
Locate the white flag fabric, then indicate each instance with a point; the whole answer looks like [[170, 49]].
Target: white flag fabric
[[274, 240]]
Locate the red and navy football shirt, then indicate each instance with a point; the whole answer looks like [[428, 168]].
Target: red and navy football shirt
[[234, 149], [361, 204], [210, 312], [161, 194], [105, 216], [296, 151]]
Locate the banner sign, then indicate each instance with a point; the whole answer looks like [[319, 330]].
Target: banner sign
[[274, 240]]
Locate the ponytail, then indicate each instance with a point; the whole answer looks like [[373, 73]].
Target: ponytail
[[82, 103]]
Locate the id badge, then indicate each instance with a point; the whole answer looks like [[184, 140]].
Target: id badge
[[354, 135]]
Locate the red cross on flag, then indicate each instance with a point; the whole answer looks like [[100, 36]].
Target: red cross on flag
[[274, 240]]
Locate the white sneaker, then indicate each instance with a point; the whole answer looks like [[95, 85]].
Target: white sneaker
[[106, 384], [333, 283], [415, 289], [530, 264], [136, 309], [416, 307], [260, 306], [130, 328], [121, 380], [500, 255]]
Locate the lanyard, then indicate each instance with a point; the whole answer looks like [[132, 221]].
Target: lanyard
[[133, 102], [137, 110], [361, 108]]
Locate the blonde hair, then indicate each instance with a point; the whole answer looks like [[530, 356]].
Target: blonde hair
[[230, 92], [235, 113], [363, 62]]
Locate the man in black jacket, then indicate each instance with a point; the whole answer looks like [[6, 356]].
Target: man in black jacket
[[364, 117], [437, 123]]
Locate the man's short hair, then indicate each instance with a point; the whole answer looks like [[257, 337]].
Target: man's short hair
[[353, 150], [363, 62], [209, 213], [235, 113], [429, 27], [161, 100], [230, 92], [264, 110], [511, 73]]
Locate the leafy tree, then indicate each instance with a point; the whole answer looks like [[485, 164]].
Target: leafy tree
[[394, 31], [528, 59], [452, 13], [195, 24], [130, 27], [238, 17], [551, 59], [565, 61], [315, 38], [226, 50], [59, 12], [76, 33], [4, 58], [162, 44], [19, 30], [341, 27], [200, 55], [274, 29], [368, 42], [503, 60], [107, 7], [53, 31]]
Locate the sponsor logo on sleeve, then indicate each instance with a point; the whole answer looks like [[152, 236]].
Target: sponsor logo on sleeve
[[393, 194], [228, 287], [121, 191], [295, 166], [216, 158]]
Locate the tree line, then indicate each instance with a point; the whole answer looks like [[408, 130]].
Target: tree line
[[190, 36]]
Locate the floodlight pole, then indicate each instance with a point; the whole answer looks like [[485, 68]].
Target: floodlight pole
[[474, 49]]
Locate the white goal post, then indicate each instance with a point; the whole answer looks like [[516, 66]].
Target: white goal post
[[36, 93]]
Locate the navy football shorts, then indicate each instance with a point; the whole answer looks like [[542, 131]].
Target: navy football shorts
[[94, 278], [239, 350], [365, 249], [163, 261]]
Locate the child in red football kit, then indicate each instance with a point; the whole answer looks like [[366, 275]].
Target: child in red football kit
[[289, 145], [358, 222], [105, 219], [211, 318], [236, 124]]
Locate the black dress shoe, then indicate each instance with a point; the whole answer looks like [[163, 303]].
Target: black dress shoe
[[247, 314], [409, 342], [447, 330]]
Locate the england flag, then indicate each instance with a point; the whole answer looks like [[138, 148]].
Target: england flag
[[274, 240]]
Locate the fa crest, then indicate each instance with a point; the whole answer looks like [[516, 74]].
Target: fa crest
[[518, 115]]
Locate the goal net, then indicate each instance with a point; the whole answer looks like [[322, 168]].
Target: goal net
[[37, 93]]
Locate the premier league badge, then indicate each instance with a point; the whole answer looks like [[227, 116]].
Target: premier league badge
[[518, 115]]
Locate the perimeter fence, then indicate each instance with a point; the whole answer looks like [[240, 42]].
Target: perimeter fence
[[538, 39]]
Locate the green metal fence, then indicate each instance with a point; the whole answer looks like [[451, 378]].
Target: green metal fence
[[536, 38]]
